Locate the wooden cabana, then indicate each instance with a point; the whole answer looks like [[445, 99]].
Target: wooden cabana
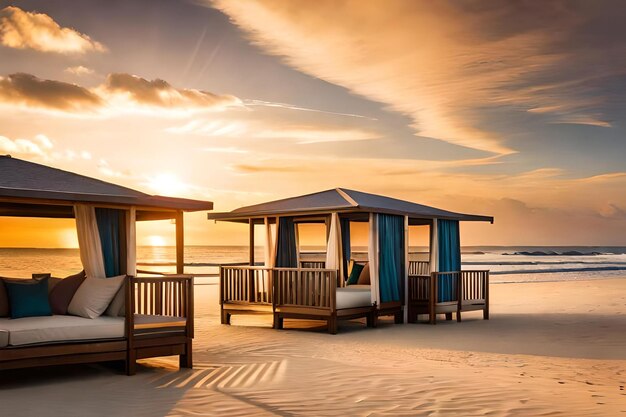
[[290, 287], [106, 215]]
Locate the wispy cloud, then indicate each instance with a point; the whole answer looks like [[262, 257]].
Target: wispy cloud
[[448, 64], [79, 70], [39, 147], [274, 129], [21, 29], [252, 103]]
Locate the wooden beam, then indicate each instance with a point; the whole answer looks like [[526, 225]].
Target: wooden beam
[[251, 223], [180, 243]]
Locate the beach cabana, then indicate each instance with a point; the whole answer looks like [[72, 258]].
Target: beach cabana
[[154, 314], [291, 287]]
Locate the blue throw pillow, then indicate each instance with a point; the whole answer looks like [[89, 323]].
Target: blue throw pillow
[[355, 273], [28, 299]]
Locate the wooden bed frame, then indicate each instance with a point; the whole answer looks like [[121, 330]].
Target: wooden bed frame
[[469, 292], [155, 296]]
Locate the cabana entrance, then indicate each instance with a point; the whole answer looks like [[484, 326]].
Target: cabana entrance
[[288, 285]]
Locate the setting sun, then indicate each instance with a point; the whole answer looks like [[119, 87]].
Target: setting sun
[[155, 240], [166, 184]]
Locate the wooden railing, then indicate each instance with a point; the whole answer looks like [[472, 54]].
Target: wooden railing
[[419, 288], [474, 286], [168, 295], [449, 292], [305, 287], [419, 268], [313, 264], [246, 284]]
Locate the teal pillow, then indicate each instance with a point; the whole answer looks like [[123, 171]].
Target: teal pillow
[[355, 273], [28, 299]]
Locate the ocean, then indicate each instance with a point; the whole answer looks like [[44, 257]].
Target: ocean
[[506, 263]]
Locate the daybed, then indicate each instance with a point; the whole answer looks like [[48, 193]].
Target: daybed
[[157, 320]]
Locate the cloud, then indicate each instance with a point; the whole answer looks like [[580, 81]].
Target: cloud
[[252, 103], [159, 93], [120, 94], [448, 64], [30, 91], [40, 147], [27, 30], [79, 70], [274, 129]]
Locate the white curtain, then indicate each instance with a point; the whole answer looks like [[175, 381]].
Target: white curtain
[[89, 240], [131, 242], [333, 246], [434, 247], [373, 253], [270, 243]]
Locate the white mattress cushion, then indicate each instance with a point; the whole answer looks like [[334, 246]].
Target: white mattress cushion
[[30, 330], [4, 338], [354, 296]]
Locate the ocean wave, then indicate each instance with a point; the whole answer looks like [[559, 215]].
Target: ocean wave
[[568, 262], [552, 253], [558, 270]]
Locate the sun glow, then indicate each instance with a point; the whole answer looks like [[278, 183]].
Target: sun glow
[[156, 240], [167, 184]]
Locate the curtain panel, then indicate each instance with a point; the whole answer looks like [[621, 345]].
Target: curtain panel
[[112, 231], [345, 246], [449, 248], [287, 245], [391, 257], [89, 245]]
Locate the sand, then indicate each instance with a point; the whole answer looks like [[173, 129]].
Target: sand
[[550, 349]]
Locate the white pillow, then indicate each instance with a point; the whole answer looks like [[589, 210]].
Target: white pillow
[[94, 296]]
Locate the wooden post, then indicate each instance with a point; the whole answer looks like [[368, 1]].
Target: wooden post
[[459, 289], [180, 243], [486, 292], [251, 226], [432, 302]]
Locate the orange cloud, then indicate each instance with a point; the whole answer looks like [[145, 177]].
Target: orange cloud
[[30, 91], [40, 148], [121, 93], [441, 63], [27, 30], [79, 70], [160, 93]]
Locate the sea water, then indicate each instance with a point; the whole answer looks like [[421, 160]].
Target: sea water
[[507, 264]]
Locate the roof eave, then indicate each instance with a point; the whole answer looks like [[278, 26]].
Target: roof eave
[[148, 201]]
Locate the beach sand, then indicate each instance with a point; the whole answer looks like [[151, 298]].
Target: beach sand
[[550, 349]]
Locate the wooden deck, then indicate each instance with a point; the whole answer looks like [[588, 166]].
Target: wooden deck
[[310, 293]]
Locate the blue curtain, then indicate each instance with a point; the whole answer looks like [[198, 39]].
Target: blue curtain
[[345, 245], [112, 229], [286, 251], [449, 256], [391, 257]]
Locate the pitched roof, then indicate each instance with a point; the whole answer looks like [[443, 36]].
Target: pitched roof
[[23, 179], [343, 200]]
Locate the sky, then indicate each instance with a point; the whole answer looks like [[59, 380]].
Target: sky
[[511, 109]]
